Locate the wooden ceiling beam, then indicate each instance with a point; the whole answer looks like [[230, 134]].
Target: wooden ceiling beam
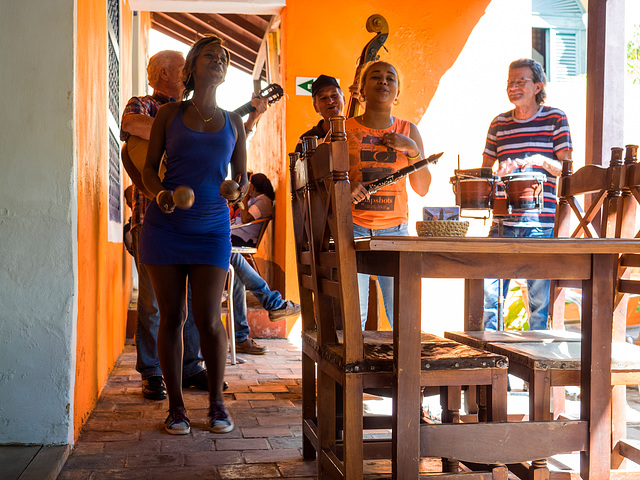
[[238, 34], [179, 28], [251, 23], [242, 50], [243, 34]]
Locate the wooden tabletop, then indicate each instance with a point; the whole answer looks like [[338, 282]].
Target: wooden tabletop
[[499, 245]]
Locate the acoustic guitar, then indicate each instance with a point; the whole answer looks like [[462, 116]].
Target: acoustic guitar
[[137, 147]]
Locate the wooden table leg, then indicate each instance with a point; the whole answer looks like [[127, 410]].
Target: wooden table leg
[[474, 304], [540, 396], [595, 381], [406, 368]]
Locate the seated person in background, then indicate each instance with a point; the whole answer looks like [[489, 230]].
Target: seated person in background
[[257, 204]]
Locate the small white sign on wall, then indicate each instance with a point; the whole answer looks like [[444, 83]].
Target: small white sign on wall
[[303, 85]]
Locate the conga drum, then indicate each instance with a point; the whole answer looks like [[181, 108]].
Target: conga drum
[[524, 190]]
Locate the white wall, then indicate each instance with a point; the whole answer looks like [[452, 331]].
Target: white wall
[[469, 96], [38, 237]]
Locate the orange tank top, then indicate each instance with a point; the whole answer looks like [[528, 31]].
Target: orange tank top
[[370, 160]]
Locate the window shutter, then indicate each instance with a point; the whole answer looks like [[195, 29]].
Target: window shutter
[[565, 54]]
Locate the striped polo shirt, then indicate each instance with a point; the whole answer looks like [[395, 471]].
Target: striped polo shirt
[[546, 133]]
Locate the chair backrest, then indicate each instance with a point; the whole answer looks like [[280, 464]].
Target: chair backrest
[[325, 247], [614, 193], [264, 222]]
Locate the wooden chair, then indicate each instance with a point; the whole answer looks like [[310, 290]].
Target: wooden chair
[[549, 358], [249, 252], [485, 340], [350, 361], [613, 193], [230, 322]]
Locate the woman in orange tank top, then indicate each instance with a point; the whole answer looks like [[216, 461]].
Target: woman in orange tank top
[[380, 144]]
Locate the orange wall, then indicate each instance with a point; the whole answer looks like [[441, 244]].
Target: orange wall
[[104, 272], [265, 154], [424, 40]]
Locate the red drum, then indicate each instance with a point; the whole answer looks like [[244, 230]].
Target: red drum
[[524, 190], [473, 193]]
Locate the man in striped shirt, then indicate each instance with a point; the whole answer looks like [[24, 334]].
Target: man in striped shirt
[[531, 138]]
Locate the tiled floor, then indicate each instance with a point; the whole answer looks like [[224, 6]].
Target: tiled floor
[[124, 437]]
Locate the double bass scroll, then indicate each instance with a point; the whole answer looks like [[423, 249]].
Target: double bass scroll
[[378, 24]]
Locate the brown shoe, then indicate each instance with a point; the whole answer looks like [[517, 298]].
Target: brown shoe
[[287, 310], [250, 347]]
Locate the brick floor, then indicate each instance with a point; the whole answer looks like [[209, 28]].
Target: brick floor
[[124, 437]]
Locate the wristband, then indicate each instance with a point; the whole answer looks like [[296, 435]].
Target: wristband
[[414, 158]]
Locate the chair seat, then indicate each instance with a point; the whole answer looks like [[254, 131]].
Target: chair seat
[[480, 339], [244, 250], [437, 353], [564, 355]]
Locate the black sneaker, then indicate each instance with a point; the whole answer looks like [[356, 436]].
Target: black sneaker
[[220, 421], [177, 422], [153, 388], [200, 381], [287, 310]]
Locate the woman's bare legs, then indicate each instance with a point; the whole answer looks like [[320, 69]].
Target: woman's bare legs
[[207, 283], [170, 286]]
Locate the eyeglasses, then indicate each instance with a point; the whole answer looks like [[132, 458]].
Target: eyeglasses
[[519, 83]]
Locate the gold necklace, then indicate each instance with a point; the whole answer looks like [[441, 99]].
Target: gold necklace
[[205, 120]]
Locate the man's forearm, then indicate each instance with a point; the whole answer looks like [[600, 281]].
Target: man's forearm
[[138, 125]]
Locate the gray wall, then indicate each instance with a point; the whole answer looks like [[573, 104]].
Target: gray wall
[[38, 222]]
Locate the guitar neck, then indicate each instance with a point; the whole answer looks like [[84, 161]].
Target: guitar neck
[[244, 109]]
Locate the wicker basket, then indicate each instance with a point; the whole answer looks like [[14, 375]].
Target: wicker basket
[[442, 228]]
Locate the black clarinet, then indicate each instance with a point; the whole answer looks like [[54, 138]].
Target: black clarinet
[[373, 187]]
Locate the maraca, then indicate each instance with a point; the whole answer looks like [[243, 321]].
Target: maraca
[[230, 190], [183, 197]]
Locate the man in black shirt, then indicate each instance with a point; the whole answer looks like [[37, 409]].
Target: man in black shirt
[[328, 101]]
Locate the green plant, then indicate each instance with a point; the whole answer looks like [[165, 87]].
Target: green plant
[[516, 316], [633, 55]]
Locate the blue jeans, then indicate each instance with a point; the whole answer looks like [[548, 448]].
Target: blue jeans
[[247, 277], [147, 362], [386, 283], [538, 290]]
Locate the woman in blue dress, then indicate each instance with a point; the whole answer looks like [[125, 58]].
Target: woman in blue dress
[[193, 245]]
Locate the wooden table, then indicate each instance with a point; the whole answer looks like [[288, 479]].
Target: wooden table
[[409, 259]]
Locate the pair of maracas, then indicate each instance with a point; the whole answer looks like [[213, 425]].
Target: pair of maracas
[[183, 196]]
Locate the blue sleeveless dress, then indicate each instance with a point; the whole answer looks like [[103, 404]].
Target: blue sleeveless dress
[[201, 234]]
